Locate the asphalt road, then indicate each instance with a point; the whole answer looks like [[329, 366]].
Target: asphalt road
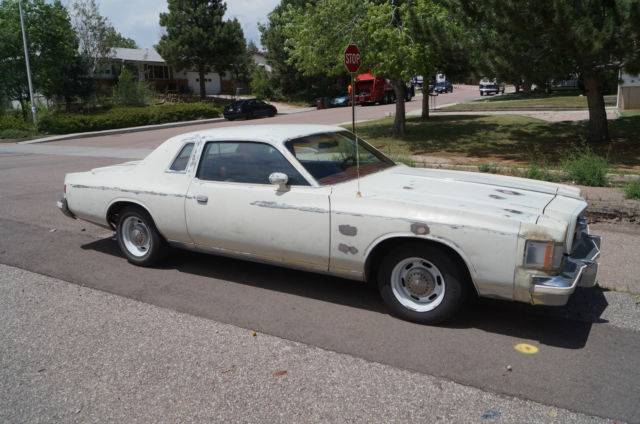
[[587, 362]]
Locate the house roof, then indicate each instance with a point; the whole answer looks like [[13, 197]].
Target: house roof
[[136, 55]]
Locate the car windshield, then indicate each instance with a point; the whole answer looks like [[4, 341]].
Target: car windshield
[[331, 157]]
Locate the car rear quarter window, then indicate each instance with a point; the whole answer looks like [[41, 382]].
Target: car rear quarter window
[[245, 162], [182, 160]]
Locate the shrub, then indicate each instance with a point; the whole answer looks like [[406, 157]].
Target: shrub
[[538, 172], [124, 117], [587, 168], [261, 85], [632, 190], [129, 92], [13, 127], [490, 168]]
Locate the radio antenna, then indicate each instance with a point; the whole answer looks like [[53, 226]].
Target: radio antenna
[[353, 130]]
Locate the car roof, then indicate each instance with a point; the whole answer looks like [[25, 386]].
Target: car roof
[[273, 134]]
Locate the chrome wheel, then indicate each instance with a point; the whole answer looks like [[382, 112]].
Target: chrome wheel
[[417, 284], [136, 236]]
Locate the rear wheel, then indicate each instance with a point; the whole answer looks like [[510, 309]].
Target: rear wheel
[[421, 283], [138, 238]]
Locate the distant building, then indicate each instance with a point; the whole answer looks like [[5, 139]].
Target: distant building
[[149, 66], [628, 91], [260, 59]]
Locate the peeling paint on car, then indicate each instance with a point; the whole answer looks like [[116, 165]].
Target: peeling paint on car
[[348, 230], [132, 191], [344, 248], [419, 228], [509, 192], [276, 205]]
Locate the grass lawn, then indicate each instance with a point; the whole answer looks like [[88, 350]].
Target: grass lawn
[[533, 101], [507, 139]]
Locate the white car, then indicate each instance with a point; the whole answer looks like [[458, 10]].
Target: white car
[[290, 195]]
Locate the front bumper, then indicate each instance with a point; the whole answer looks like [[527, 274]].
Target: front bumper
[[579, 269], [64, 208]]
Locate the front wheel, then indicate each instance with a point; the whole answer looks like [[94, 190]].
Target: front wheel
[[421, 283], [138, 238]]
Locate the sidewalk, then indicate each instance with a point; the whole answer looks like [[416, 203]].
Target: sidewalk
[[120, 131], [545, 115], [72, 354]]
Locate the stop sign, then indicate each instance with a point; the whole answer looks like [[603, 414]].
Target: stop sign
[[352, 58]]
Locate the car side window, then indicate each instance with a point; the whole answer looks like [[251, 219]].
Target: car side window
[[182, 160], [245, 162]]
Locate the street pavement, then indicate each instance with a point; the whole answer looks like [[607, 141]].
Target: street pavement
[[72, 354], [587, 360]]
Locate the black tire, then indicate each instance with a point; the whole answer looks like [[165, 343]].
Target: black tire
[[481, 94], [158, 247], [456, 288]]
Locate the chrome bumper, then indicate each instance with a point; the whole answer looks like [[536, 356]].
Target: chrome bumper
[[64, 208], [579, 269]]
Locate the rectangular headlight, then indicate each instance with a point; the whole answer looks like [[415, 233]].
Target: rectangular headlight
[[545, 255]]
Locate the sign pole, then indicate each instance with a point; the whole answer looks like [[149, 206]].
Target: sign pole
[[352, 63], [26, 60]]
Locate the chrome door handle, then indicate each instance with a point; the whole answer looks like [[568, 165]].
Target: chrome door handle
[[202, 199]]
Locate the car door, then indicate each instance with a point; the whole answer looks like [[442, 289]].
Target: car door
[[262, 109], [231, 207]]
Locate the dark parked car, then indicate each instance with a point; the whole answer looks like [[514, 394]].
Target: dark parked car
[[247, 109], [443, 87]]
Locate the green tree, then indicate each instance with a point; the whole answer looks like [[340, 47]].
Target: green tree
[[115, 39], [129, 91], [243, 66], [77, 82], [317, 34], [52, 44], [561, 37], [443, 39], [197, 37], [261, 83], [97, 36], [289, 81]]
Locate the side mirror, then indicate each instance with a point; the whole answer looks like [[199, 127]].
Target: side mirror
[[280, 180]]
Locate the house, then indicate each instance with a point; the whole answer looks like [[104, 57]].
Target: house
[[628, 91], [149, 66]]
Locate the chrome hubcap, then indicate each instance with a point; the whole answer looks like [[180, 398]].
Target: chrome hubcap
[[135, 235], [417, 284]]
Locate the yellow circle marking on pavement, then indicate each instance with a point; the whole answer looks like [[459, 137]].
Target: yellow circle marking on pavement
[[526, 348]]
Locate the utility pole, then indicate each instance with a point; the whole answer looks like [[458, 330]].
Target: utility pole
[[26, 60]]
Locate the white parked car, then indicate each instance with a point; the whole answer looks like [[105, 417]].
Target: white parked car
[[288, 195]]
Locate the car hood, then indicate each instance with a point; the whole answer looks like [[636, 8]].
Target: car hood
[[482, 194]]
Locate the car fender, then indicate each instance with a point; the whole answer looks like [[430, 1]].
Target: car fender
[[436, 239], [123, 199]]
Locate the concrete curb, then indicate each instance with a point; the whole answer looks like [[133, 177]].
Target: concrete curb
[[531, 109], [120, 131]]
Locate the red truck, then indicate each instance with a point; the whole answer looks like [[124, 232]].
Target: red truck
[[371, 90]]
